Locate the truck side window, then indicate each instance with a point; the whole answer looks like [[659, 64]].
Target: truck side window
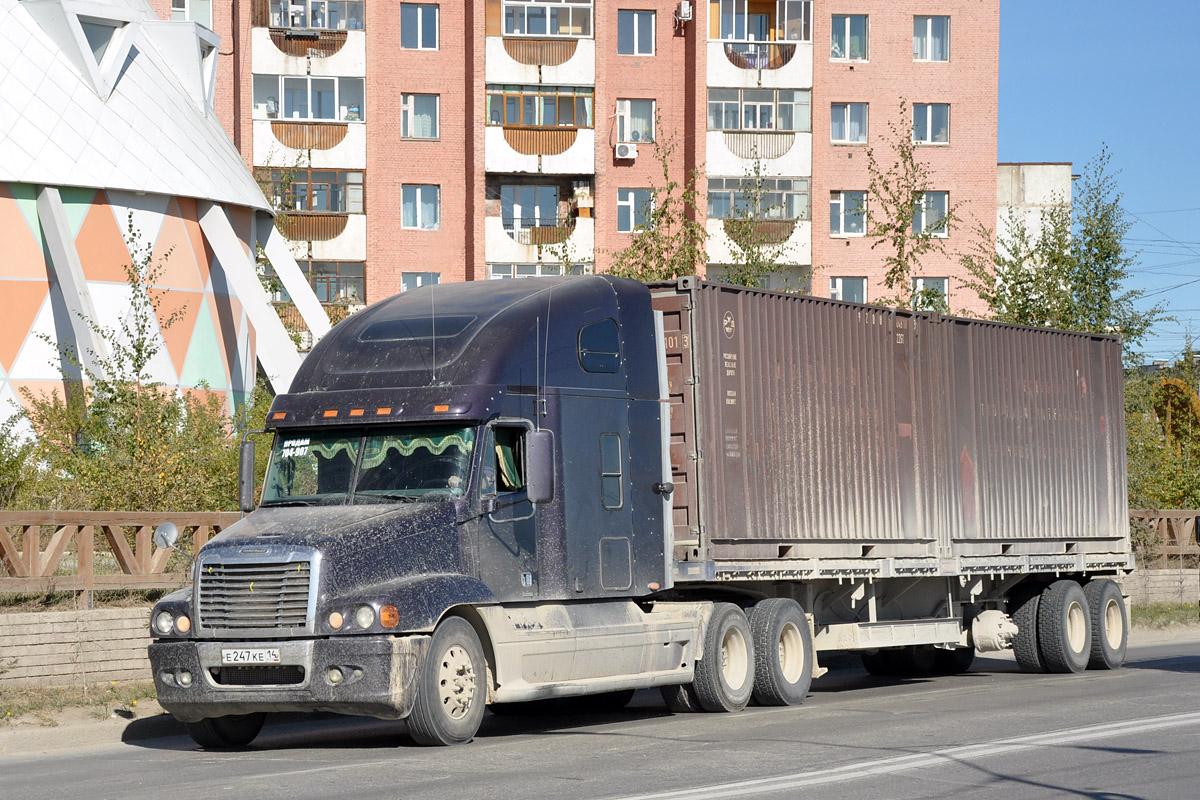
[[509, 458], [610, 470], [600, 347]]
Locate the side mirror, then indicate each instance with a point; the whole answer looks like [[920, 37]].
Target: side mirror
[[246, 476], [166, 535], [539, 452]]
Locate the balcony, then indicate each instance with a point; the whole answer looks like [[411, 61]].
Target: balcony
[[574, 238], [326, 237], [284, 143], [553, 151], [569, 62], [284, 51], [769, 65], [780, 153], [795, 236]]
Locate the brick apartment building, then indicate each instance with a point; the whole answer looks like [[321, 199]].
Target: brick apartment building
[[415, 142]]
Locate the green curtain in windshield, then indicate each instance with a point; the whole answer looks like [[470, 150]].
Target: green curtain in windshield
[[377, 447]]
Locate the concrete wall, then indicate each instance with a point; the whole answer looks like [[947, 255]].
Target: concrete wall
[[1146, 586], [72, 647]]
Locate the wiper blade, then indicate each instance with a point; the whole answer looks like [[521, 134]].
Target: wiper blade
[[278, 503], [399, 498]]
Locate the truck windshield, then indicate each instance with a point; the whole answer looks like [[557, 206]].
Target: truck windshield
[[390, 465]]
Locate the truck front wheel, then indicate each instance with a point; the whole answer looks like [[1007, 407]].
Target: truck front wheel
[[451, 689], [783, 652], [725, 674], [224, 733]]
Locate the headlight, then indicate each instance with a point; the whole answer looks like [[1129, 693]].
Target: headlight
[[364, 617], [164, 623]]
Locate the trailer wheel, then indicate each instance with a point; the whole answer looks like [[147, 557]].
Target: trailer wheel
[[782, 652], [1110, 624], [1023, 608], [953, 662], [451, 688], [681, 699], [725, 675], [1064, 627], [224, 733]]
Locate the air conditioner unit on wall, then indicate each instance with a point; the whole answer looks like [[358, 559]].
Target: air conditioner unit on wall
[[684, 14], [626, 150]]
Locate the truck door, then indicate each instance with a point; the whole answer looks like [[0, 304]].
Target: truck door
[[508, 546]]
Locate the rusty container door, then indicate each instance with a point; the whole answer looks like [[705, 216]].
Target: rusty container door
[[677, 334]]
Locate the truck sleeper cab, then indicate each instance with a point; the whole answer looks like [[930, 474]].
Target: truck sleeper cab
[[496, 493]]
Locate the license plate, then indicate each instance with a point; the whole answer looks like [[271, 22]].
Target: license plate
[[259, 655]]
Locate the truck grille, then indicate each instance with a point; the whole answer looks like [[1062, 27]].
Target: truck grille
[[254, 596]]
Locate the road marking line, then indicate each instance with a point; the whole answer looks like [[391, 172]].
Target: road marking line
[[885, 766]]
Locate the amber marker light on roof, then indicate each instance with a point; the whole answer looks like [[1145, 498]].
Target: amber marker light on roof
[[356, 412], [441, 408], [382, 410], [279, 415], [329, 413]]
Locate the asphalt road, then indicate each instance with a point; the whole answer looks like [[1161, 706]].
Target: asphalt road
[[994, 733]]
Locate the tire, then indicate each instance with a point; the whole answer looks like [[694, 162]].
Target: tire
[[451, 689], [953, 662], [1064, 628], [225, 733], [725, 675], [782, 652], [1023, 608], [1110, 624], [681, 699]]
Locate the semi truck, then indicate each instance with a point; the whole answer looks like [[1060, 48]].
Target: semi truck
[[496, 493]]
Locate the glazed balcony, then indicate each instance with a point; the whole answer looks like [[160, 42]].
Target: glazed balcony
[[779, 153], [521, 60], [574, 236], [552, 151]]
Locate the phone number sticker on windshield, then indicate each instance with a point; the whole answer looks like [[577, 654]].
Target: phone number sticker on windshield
[[294, 448]]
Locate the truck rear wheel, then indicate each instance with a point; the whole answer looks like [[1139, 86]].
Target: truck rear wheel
[[782, 652], [1064, 627], [1110, 624], [451, 689], [953, 662], [1023, 608], [224, 733], [725, 674]]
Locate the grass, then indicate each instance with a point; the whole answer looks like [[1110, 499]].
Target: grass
[[1164, 615], [41, 703]]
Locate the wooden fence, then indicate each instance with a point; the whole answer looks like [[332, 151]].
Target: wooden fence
[[1172, 542], [82, 551]]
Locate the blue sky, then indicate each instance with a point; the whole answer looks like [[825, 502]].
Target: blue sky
[[1076, 74]]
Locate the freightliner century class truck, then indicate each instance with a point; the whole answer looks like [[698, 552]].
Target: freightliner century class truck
[[501, 492]]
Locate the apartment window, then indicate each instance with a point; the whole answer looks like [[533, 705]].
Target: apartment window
[[851, 290], [635, 120], [848, 123], [931, 123], [300, 97], [931, 38], [610, 468], [565, 18], [193, 11], [929, 217], [540, 270], [633, 209], [526, 206], [930, 294], [419, 116], [415, 280], [422, 206], [760, 109], [740, 20], [847, 213], [419, 26], [327, 191], [336, 281], [334, 15], [539, 106], [758, 198], [849, 42], [635, 33]]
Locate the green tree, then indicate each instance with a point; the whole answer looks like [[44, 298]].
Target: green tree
[[758, 231], [895, 192], [1071, 274], [670, 244]]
